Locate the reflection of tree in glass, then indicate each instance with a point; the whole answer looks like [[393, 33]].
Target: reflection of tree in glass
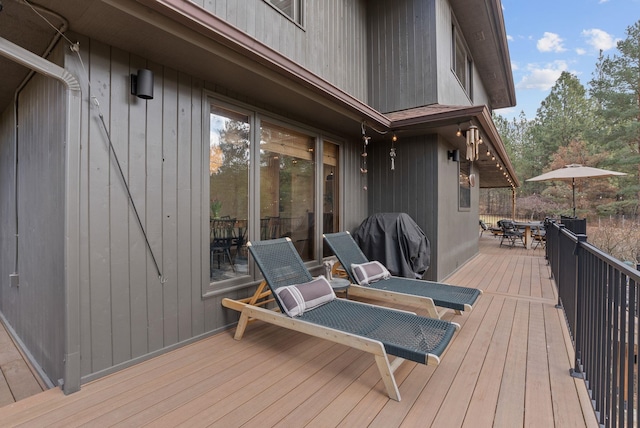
[[229, 160], [296, 186], [232, 149]]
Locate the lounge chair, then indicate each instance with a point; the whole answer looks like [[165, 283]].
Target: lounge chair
[[399, 289], [495, 231], [373, 329]]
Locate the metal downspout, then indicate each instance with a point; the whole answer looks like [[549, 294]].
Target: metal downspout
[[71, 380]]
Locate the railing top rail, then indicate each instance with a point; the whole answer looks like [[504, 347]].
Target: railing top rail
[[623, 268]]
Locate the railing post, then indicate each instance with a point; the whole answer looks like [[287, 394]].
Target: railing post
[[554, 261], [576, 370]]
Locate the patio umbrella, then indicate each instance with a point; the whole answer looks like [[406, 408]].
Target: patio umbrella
[[573, 171]]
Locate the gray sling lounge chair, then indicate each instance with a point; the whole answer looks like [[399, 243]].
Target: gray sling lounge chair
[[373, 329], [400, 289]]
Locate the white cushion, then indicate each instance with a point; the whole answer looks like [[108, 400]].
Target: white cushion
[[367, 273], [296, 299]]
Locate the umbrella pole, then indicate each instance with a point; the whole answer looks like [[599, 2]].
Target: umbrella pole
[[573, 185]]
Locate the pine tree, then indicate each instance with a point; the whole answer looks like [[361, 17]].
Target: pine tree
[[615, 89]]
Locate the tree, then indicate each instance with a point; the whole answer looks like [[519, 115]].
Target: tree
[[616, 90], [516, 138], [561, 118]]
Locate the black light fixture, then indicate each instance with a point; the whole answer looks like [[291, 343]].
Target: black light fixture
[[142, 84], [453, 155]]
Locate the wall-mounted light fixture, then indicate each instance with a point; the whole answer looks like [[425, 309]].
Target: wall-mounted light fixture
[[142, 84], [453, 155]]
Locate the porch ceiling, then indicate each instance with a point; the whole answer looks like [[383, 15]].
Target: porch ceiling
[[445, 120], [183, 35]]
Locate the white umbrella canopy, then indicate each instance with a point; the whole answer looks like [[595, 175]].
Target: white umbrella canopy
[[573, 171]]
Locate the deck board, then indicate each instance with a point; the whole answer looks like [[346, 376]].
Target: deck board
[[507, 366], [483, 402], [538, 409]]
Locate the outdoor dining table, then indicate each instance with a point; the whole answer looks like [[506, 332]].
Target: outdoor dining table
[[527, 225]]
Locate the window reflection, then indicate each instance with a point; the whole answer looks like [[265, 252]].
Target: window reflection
[[330, 193], [287, 182], [229, 190]]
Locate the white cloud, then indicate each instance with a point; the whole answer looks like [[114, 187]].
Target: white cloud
[[581, 51], [509, 37], [599, 40], [514, 66], [550, 42], [542, 78]]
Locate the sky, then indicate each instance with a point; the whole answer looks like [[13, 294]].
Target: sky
[[548, 37]]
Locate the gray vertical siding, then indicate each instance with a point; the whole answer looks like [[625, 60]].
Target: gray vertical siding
[[126, 311], [450, 91], [7, 209], [411, 188], [354, 202], [332, 42], [402, 54], [457, 228], [35, 309]]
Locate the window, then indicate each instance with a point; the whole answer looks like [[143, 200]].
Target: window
[[330, 193], [291, 8], [266, 181], [287, 187], [464, 193], [229, 145], [462, 64]]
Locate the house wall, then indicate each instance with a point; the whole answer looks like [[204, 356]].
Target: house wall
[[457, 231], [127, 313], [402, 54], [412, 187], [410, 57], [35, 308], [449, 89], [7, 208], [424, 185], [331, 42]]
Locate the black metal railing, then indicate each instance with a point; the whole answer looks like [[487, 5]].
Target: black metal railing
[[599, 295]]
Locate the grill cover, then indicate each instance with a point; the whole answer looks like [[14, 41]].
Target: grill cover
[[396, 241]]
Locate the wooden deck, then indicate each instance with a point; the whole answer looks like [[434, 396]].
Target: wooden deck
[[507, 367]]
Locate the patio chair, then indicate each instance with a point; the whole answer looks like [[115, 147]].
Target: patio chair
[[539, 235], [221, 241], [316, 311], [395, 288], [511, 233]]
